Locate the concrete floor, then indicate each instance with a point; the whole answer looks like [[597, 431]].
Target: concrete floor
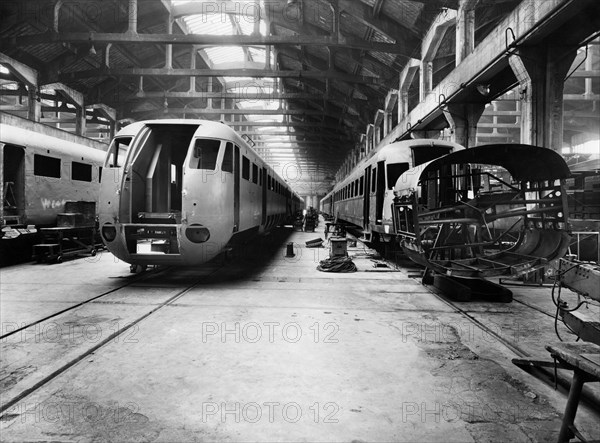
[[267, 348]]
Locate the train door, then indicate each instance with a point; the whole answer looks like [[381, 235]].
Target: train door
[[236, 190], [13, 184], [264, 196], [380, 191], [366, 197]]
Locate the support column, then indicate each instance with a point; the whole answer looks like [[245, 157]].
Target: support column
[[169, 48], [80, 120], [426, 78], [132, 22], [465, 29], [34, 107], [541, 71], [463, 120]]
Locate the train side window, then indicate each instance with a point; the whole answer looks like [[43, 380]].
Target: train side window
[[245, 168], [227, 165], [361, 186], [254, 173], [373, 180], [394, 171], [46, 166], [205, 154], [81, 172], [260, 177], [100, 174]]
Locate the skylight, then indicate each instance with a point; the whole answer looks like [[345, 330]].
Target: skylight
[[238, 18]]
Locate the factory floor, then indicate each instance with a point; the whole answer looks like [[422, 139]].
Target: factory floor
[[264, 347]]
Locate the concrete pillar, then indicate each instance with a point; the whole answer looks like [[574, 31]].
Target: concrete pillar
[[132, 22], [541, 71], [426, 78], [80, 121], [169, 48], [465, 29], [463, 120], [34, 109]]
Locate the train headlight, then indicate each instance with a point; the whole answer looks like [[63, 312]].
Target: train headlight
[[197, 233], [109, 232]]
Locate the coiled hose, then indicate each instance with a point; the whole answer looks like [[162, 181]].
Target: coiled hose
[[337, 264]]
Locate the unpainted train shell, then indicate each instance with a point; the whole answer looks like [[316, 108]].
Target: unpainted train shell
[[207, 202]]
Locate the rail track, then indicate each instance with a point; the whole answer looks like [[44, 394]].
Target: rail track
[[119, 332]]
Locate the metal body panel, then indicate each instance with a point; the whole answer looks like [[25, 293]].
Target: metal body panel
[[216, 204]]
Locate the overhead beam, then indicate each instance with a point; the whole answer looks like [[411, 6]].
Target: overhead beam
[[213, 111], [197, 39], [182, 72], [22, 71], [196, 95]]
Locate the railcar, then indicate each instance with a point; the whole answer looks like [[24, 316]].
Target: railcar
[[486, 211], [365, 197], [178, 192]]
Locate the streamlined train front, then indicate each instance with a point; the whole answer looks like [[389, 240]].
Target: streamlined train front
[[167, 194]]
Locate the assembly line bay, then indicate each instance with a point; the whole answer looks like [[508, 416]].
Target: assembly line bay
[[263, 347]]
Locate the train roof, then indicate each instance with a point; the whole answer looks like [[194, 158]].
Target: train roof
[[523, 162], [52, 141], [396, 149], [218, 130]]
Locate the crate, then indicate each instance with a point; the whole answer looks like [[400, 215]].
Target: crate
[[339, 247]]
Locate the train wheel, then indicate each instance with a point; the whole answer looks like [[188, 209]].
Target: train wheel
[[93, 252], [137, 269], [427, 277], [59, 259]]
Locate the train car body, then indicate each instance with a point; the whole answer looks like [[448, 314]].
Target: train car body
[[44, 167], [485, 211], [177, 192], [365, 197]]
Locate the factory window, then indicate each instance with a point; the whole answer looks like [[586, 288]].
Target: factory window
[[394, 171], [227, 165], [254, 173], [362, 186], [46, 166], [81, 172], [205, 154], [245, 168]]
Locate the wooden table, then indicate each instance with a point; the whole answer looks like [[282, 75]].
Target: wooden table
[[584, 360]]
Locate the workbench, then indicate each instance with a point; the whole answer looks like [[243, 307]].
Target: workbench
[[584, 360], [60, 242]]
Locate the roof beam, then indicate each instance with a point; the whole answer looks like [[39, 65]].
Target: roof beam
[[197, 39], [195, 95], [182, 72], [215, 111]]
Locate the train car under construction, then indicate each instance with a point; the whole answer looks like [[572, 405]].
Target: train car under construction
[[486, 211], [178, 192]]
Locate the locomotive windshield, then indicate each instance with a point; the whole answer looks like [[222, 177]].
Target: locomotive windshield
[[205, 154], [116, 152]]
